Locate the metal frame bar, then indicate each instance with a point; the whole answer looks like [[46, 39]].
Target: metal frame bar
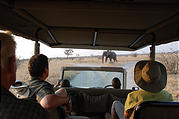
[[152, 52], [25, 14], [37, 48], [137, 40], [95, 38]]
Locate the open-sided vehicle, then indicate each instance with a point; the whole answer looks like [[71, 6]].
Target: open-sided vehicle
[[93, 24]]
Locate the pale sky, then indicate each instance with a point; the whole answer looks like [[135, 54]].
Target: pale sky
[[25, 49]]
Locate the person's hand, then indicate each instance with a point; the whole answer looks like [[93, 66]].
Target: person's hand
[[57, 83]]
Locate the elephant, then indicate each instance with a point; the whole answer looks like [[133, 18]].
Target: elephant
[[109, 54]]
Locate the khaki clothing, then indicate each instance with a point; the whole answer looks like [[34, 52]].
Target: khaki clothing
[[139, 96], [136, 97]]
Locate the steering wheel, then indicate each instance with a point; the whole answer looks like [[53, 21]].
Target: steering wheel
[[107, 86]]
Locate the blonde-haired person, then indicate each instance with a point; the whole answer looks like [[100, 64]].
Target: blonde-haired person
[[10, 106], [151, 77]]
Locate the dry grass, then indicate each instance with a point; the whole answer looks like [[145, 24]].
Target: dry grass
[[173, 86], [56, 64]]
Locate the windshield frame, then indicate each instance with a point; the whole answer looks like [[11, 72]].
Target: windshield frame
[[109, 69]]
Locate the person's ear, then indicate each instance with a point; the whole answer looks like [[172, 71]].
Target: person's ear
[[46, 71]]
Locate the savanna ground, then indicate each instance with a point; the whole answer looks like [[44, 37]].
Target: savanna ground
[[170, 60]]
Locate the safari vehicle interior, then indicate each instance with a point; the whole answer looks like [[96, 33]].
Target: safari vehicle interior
[[126, 25], [91, 90]]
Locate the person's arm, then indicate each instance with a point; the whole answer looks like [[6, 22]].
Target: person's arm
[[52, 101], [57, 84], [128, 113]]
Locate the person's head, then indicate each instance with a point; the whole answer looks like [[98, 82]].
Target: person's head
[[38, 66], [65, 83], [116, 83], [150, 75], [8, 61]]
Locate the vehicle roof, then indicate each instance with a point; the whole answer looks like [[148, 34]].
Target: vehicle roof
[[93, 24]]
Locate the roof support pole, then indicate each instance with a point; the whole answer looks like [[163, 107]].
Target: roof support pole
[[95, 37], [37, 48], [152, 52]]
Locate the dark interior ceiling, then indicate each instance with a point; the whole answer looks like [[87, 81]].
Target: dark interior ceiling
[[94, 24]]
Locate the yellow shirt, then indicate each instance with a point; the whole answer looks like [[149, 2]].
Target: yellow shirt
[[139, 96]]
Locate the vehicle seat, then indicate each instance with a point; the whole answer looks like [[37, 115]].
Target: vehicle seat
[[157, 110]]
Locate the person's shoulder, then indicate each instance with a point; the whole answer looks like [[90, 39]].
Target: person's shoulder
[[135, 92], [45, 83], [34, 83], [164, 92], [167, 94]]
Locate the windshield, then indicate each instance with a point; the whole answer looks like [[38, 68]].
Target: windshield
[[91, 79]]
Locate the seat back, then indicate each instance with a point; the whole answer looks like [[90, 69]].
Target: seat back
[[157, 110], [95, 100]]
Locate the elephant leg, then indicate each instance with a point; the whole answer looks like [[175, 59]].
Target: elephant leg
[[102, 59], [106, 59], [110, 59], [114, 59]]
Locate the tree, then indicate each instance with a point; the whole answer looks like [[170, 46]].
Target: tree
[[170, 60], [77, 55], [68, 52]]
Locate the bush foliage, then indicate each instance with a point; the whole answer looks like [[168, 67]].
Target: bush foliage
[[171, 61]]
